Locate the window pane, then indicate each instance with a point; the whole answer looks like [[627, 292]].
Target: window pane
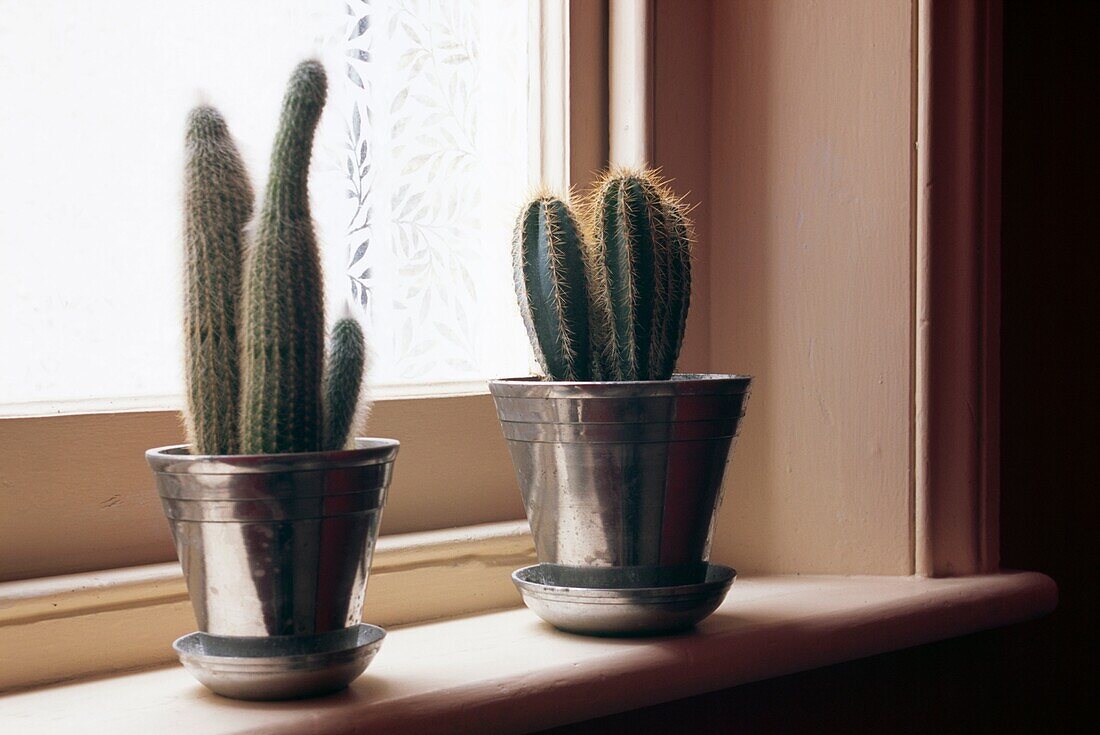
[[427, 128], [439, 148]]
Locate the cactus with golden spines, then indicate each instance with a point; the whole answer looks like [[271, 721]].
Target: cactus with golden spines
[[607, 300], [549, 270], [640, 259], [255, 297], [217, 204]]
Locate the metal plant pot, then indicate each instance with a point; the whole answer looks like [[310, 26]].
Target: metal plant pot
[[275, 546], [622, 481]]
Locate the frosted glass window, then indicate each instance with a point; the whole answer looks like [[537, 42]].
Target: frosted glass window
[[422, 157]]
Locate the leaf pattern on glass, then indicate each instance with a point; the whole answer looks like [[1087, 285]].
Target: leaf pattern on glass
[[357, 151], [434, 186]]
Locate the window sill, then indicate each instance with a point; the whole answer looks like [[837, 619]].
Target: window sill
[[509, 672], [79, 625]]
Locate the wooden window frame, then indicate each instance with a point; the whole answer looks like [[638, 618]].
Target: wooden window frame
[[956, 392]]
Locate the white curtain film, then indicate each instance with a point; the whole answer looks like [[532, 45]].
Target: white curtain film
[[422, 159], [437, 149]]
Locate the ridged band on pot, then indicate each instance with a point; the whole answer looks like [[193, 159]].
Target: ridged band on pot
[[622, 481], [275, 545]]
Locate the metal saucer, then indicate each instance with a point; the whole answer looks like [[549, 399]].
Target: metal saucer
[[623, 611], [279, 667]]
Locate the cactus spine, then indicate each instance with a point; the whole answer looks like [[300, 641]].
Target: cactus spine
[[217, 206], [254, 371], [343, 376], [551, 285], [640, 255], [608, 301], [677, 279], [283, 341]]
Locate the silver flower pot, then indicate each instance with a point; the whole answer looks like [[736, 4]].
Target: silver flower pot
[[276, 547], [622, 481]]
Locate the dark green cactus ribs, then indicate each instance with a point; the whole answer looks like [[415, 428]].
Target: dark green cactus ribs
[[549, 272], [283, 336], [217, 205], [677, 277], [608, 301], [640, 255], [343, 377]]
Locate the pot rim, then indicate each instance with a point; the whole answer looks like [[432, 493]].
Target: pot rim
[[175, 459], [535, 386]]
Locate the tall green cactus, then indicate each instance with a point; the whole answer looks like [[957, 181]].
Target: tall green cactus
[[609, 301], [549, 273], [254, 370], [343, 377], [641, 275], [217, 206], [283, 335]]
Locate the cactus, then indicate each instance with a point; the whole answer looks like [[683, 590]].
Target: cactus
[[640, 257], [551, 286], [283, 335], [255, 372], [343, 377], [217, 206], [677, 279], [610, 301]]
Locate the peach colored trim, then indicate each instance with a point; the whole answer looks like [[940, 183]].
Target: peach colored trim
[[78, 625], [550, 36], [631, 82], [588, 90], [957, 288], [76, 494], [682, 71], [922, 528]]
